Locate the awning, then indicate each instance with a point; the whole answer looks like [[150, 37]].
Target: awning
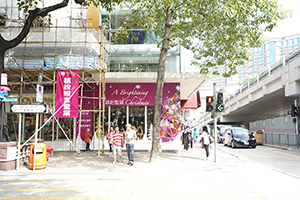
[[193, 102]]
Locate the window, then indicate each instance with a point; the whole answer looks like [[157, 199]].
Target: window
[[272, 53]]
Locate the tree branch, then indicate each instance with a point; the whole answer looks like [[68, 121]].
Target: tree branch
[[26, 28]]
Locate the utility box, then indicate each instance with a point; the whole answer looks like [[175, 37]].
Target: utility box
[[259, 136], [40, 157]]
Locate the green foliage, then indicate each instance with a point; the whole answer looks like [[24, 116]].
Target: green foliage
[[218, 32], [122, 36], [109, 5]]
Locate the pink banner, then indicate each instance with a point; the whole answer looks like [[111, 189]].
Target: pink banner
[[67, 83], [132, 94]]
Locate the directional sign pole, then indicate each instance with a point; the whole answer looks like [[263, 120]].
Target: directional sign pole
[[2, 119], [35, 139], [19, 141]]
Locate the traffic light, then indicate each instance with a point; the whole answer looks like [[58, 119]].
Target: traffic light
[[219, 104], [209, 103], [295, 110]]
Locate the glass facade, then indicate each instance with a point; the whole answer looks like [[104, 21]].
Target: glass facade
[[272, 53]]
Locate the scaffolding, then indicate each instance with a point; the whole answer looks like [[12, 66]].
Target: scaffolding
[[67, 44]]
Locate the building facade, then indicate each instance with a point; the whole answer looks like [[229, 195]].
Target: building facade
[[90, 40]]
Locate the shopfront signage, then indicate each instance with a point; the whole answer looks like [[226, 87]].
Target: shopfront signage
[[10, 100], [136, 94], [15, 108]]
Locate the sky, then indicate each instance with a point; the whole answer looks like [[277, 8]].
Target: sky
[[288, 26]]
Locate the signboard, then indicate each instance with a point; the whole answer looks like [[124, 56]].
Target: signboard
[[42, 108], [40, 79], [10, 100], [3, 79], [39, 93], [4, 89]]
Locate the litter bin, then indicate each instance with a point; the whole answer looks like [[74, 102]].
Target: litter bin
[[40, 157], [259, 136]]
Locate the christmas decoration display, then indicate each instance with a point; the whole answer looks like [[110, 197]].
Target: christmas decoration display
[[171, 119]]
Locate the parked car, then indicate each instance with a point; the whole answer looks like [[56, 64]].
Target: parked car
[[239, 137], [220, 135]]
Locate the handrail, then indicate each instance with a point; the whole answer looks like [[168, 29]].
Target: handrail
[[264, 74]]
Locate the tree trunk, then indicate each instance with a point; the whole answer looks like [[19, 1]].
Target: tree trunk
[[159, 86]]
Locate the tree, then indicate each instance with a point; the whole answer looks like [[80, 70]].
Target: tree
[[218, 32]]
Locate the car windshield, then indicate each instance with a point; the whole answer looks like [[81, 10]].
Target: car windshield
[[222, 128], [241, 133]]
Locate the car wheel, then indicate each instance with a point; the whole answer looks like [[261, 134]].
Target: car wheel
[[232, 144]]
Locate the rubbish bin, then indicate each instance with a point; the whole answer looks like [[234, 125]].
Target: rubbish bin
[[259, 136], [40, 157]]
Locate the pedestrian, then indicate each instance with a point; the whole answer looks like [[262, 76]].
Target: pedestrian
[[185, 139], [130, 135], [195, 135], [205, 137], [109, 137], [87, 139], [190, 136], [117, 139]]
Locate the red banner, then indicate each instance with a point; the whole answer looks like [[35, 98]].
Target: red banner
[[67, 94]]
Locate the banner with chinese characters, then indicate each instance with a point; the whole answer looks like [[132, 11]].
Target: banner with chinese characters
[[67, 83]]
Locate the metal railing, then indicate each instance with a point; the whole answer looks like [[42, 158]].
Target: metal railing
[[282, 139], [264, 74], [24, 155]]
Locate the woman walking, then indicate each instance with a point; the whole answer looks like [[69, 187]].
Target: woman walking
[[205, 138], [109, 137], [185, 139]]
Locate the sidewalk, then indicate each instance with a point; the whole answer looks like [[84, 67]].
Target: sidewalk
[[176, 176], [90, 162]]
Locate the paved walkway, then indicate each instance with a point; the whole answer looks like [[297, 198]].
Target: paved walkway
[[175, 176]]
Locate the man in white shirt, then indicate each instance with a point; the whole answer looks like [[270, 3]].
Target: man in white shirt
[[130, 135]]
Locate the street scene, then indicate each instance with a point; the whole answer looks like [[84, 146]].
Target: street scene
[[158, 100], [237, 174]]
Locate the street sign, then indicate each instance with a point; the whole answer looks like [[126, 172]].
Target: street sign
[[4, 89], [10, 100], [39, 93], [3, 79], [40, 79], [3, 94], [31, 108]]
